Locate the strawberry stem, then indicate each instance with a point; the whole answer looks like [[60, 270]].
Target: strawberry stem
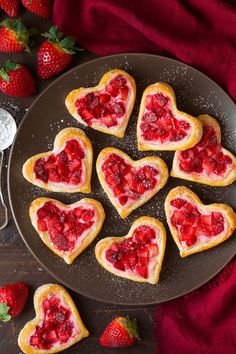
[[56, 37], [131, 326], [8, 66]]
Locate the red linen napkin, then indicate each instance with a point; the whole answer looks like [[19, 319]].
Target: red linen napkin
[[198, 32], [202, 322]]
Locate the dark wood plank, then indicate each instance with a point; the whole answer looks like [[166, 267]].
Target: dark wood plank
[[17, 264]]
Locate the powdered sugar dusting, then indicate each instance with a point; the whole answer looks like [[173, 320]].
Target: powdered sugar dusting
[[194, 95]]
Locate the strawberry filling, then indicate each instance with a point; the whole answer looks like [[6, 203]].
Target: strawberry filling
[[65, 227], [192, 224], [127, 183], [158, 123], [64, 167], [56, 327], [134, 253], [206, 157], [107, 106]]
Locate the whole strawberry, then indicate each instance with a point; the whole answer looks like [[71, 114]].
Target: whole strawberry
[[16, 80], [121, 332], [54, 54], [14, 37], [40, 8], [11, 7], [12, 300]]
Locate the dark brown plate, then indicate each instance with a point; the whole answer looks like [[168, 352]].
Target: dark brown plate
[[196, 94]]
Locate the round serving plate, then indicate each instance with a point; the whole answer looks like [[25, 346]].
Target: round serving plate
[[196, 94]]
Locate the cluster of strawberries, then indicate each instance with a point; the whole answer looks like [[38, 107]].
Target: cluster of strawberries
[[120, 332], [53, 56]]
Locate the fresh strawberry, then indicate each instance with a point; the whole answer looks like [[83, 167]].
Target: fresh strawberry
[[14, 37], [11, 7], [40, 8], [121, 332], [54, 54], [12, 300], [16, 80]]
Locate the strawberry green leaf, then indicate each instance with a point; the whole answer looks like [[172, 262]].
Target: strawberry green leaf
[[131, 326], [4, 75], [4, 312], [11, 65]]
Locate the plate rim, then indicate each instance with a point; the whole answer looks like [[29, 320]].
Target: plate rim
[[175, 61]]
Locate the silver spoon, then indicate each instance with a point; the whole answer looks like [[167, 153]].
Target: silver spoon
[[7, 132]]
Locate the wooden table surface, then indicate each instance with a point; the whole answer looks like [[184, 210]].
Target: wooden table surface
[[17, 263]]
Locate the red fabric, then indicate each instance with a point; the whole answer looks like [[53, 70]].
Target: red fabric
[[201, 33], [202, 322]]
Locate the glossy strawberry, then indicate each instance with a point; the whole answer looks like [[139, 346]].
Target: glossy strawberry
[[11, 7], [40, 8], [14, 36], [54, 54], [12, 300], [16, 80], [121, 332]]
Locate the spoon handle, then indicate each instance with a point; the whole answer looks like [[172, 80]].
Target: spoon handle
[[3, 206]]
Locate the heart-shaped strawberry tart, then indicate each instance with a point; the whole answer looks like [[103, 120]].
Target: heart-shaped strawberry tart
[[161, 126], [207, 162], [107, 106], [129, 184], [137, 256], [57, 324], [67, 168], [67, 229], [196, 227]]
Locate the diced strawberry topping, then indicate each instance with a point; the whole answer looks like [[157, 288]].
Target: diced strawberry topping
[[134, 253], [158, 122], [56, 326], [126, 182], [64, 167], [192, 223], [64, 227], [107, 106], [205, 157]]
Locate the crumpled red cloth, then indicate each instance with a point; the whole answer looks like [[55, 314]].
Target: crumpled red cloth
[[198, 32], [202, 322]]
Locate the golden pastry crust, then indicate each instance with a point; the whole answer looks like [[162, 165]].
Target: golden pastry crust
[[60, 140], [119, 130], [186, 143], [41, 293], [105, 243], [86, 240], [227, 179], [227, 211], [124, 211]]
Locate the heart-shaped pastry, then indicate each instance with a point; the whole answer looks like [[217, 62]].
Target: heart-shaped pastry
[[57, 324], [107, 106], [67, 229], [207, 162], [196, 227], [67, 168], [128, 183], [161, 126], [137, 256]]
